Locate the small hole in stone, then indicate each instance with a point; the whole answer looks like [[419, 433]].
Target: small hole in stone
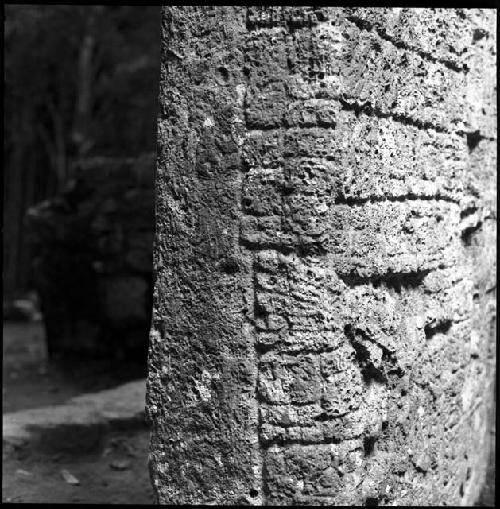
[[478, 34], [384, 425], [473, 140], [461, 490], [371, 501], [224, 73], [369, 445], [260, 311], [254, 493], [467, 475], [320, 16], [229, 265]]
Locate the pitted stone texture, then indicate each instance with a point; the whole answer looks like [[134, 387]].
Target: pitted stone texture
[[325, 257]]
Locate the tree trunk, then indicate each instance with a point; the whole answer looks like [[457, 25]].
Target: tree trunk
[[81, 134], [324, 303], [19, 178]]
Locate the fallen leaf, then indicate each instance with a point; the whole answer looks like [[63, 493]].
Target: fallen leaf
[[129, 450], [106, 452], [20, 471], [69, 478], [120, 464]]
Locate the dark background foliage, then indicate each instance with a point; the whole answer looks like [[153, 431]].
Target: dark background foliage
[[79, 82], [80, 108]]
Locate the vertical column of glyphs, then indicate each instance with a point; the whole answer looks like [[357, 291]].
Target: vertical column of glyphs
[[368, 216]]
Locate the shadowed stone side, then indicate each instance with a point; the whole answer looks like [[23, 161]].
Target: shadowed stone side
[[324, 307]]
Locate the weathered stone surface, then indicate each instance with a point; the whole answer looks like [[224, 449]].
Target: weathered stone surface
[[324, 303]]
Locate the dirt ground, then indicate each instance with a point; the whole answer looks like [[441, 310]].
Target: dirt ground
[[109, 462], [110, 469]]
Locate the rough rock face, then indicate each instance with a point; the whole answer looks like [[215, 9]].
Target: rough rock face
[[93, 267], [324, 303]]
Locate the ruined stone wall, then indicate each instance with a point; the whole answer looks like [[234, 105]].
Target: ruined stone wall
[[324, 303], [92, 263]]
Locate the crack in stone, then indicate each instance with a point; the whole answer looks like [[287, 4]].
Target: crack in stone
[[394, 280], [258, 353], [367, 26], [283, 442], [352, 201], [442, 327], [352, 104]]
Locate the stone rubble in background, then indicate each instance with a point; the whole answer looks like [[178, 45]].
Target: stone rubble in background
[[93, 258]]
